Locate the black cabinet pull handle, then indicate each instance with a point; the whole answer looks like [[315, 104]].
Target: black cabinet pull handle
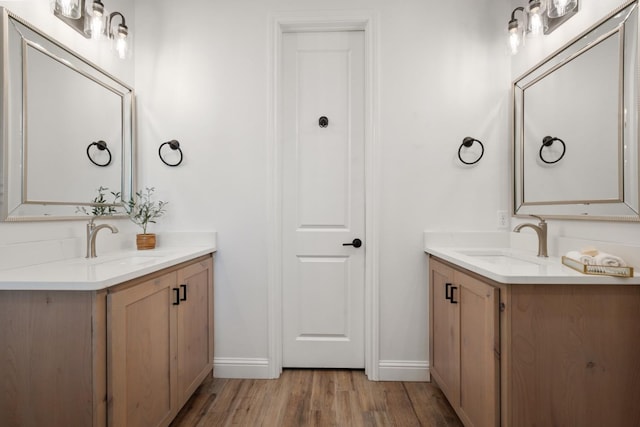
[[176, 292], [184, 293], [356, 243], [447, 291], [453, 301]]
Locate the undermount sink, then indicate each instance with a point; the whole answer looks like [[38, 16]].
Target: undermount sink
[[123, 260], [136, 260], [502, 257]]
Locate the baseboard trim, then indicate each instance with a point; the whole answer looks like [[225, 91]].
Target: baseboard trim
[[257, 368], [404, 370], [236, 367]]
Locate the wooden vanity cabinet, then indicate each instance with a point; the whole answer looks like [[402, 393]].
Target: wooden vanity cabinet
[[563, 355], [52, 358], [160, 344], [465, 344], [123, 356]]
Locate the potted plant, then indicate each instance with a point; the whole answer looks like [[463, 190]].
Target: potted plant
[[143, 210]]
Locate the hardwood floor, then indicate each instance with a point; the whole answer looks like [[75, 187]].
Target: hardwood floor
[[316, 397]]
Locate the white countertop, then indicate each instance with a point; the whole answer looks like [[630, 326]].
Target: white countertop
[[81, 274], [496, 257]]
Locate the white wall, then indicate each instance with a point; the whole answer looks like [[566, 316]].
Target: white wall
[[202, 78], [535, 51]]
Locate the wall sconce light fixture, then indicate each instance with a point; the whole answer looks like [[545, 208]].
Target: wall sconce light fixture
[[516, 31], [539, 17], [91, 19]]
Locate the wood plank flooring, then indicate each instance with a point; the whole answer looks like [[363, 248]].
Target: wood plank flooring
[[316, 397]]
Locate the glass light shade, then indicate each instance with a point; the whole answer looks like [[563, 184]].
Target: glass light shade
[[536, 18], [558, 8], [69, 8], [121, 42], [515, 36], [95, 20]]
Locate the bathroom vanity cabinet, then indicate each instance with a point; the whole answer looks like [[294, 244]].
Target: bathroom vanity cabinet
[[127, 355], [534, 354], [465, 343]]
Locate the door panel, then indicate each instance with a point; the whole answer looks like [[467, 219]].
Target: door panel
[[323, 199], [324, 282], [479, 387], [445, 351], [323, 153]]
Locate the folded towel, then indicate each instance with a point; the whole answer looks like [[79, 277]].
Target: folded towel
[[589, 250], [609, 260], [585, 259]]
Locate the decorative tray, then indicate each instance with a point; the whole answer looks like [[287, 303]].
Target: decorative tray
[[603, 270]]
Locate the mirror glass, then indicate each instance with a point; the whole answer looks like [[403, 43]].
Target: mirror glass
[[575, 126], [68, 129]]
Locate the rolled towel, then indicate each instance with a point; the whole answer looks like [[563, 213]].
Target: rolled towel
[[585, 259], [609, 260]]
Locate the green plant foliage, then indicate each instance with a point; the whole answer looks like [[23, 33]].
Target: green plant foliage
[[143, 210]]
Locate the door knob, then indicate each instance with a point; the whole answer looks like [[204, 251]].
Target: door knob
[[356, 243]]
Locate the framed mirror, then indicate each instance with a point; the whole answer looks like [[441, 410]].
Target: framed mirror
[[575, 124], [67, 128]]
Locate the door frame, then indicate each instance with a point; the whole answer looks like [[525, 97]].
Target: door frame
[[323, 21]]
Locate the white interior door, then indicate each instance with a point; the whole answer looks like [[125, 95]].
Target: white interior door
[[323, 199]]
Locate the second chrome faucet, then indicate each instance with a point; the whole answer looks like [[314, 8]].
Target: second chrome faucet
[[541, 231]]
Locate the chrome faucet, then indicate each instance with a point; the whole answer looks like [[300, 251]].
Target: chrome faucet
[[541, 231], [92, 232]]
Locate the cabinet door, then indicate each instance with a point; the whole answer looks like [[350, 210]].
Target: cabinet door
[[479, 346], [195, 327], [445, 348], [142, 354]]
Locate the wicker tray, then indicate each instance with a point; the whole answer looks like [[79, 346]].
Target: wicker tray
[[602, 270]]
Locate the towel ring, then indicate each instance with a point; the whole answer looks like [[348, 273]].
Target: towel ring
[[174, 145], [547, 141], [101, 146], [468, 142]]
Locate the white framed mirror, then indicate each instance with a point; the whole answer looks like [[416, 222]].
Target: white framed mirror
[[68, 128], [575, 126]]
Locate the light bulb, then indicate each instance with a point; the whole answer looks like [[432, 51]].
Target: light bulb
[[560, 8], [536, 19], [97, 26], [68, 8], [514, 42], [95, 20], [561, 5], [121, 47], [516, 35], [536, 24]]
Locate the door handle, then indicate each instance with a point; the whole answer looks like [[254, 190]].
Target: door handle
[[184, 295], [447, 289], [356, 243], [177, 296]]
